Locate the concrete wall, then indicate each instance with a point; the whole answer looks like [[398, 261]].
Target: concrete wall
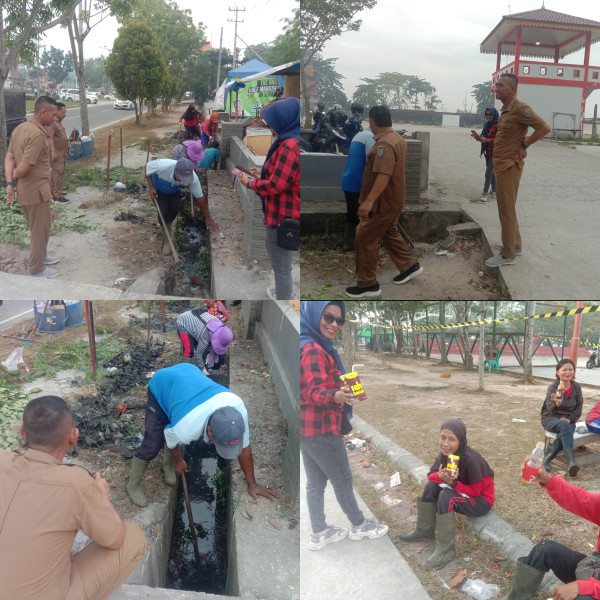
[[254, 229], [228, 130], [322, 174], [278, 332]]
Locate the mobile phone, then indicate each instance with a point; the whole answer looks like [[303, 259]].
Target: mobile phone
[[238, 171]]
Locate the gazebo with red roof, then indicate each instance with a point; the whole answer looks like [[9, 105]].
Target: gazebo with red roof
[[538, 40]]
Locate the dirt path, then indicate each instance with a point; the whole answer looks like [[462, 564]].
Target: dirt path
[[411, 417]]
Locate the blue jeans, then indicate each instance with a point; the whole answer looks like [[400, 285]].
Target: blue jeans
[[281, 261], [564, 432], [490, 176], [325, 458]]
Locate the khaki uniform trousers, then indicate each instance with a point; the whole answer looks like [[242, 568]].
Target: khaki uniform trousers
[[58, 172], [507, 188], [97, 572], [370, 233], [38, 221]]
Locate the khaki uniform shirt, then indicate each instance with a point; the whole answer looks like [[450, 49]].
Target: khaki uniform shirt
[[29, 142], [388, 156], [57, 133], [515, 119], [42, 505]]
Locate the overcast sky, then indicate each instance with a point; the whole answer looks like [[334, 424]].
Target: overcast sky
[[261, 23], [439, 40]]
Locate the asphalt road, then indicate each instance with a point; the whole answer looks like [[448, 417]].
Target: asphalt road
[[99, 115], [13, 311]]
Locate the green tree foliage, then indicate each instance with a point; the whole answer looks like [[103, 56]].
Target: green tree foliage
[[329, 82], [321, 20], [482, 92], [57, 64], [397, 90], [136, 65], [95, 72]]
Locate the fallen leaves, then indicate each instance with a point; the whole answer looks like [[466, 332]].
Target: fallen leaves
[[456, 578], [275, 524]]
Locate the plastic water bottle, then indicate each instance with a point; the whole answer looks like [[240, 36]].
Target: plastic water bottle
[[534, 463], [560, 390]]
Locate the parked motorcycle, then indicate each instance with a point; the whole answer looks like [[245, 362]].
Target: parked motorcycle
[[593, 361]]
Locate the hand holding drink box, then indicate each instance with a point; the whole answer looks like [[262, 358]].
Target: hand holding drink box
[[353, 382], [452, 465]]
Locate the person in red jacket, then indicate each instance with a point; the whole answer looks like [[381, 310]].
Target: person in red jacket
[[550, 555], [469, 491], [191, 118], [592, 421]]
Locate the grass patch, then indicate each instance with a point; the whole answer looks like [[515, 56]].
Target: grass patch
[[54, 357], [96, 176], [155, 144], [12, 403]]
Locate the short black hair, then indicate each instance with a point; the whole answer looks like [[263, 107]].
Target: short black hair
[[512, 77], [46, 421], [381, 115], [60, 105], [561, 363], [43, 102], [213, 144]]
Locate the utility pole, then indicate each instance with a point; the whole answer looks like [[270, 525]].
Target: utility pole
[[219, 63], [236, 10], [575, 338]]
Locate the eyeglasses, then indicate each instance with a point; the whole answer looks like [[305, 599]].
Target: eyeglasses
[[488, 114], [329, 319]]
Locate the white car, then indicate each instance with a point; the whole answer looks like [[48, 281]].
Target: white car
[[110, 97], [70, 95], [91, 98], [125, 104]]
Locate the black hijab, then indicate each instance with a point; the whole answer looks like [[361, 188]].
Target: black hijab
[[472, 467]]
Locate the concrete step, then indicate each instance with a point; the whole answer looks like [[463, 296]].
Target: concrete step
[[143, 592], [469, 228]]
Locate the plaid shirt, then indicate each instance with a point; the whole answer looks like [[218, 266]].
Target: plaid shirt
[[280, 190], [319, 381], [490, 137]]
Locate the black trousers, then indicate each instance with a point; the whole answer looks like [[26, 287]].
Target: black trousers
[[168, 204], [449, 500], [352, 207], [154, 434]]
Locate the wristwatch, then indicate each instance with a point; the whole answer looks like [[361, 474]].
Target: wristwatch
[[524, 145], [248, 184], [10, 183]]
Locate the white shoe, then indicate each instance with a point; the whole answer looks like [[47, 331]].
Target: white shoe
[[499, 261], [484, 198], [492, 196], [271, 293], [51, 260], [46, 273]]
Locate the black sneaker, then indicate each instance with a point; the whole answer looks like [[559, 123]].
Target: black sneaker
[[363, 292], [62, 200], [415, 270]]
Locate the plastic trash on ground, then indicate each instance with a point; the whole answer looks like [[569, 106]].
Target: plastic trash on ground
[[387, 499], [519, 421], [378, 486], [120, 186], [480, 590], [395, 479], [14, 359]]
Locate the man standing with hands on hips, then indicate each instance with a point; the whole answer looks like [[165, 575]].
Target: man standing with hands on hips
[[382, 198], [27, 167], [510, 151]]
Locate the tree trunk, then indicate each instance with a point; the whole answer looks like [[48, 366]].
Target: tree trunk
[[348, 346], [77, 50], [481, 362], [307, 115], [528, 343], [442, 319]]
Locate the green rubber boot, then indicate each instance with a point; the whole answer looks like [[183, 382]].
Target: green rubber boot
[[138, 469], [444, 550], [426, 512], [167, 467], [548, 456], [573, 466], [526, 581]]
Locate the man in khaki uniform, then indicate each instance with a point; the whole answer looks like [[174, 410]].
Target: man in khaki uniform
[[59, 146], [27, 164], [43, 503], [510, 150], [382, 198]]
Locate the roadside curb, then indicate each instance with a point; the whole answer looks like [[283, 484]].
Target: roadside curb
[[490, 527]]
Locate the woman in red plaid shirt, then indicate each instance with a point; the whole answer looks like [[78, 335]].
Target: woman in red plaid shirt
[[278, 185], [322, 401], [487, 137]]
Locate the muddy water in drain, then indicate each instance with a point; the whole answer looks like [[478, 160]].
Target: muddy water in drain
[[207, 482]]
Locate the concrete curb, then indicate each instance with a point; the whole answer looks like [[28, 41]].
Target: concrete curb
[[142, 592], [490, 527]]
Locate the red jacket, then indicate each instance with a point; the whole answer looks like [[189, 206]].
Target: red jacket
[[594, 413], [484, 488], [583, 504]]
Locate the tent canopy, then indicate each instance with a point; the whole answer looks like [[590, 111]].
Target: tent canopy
[[292, 68], [250, 68]]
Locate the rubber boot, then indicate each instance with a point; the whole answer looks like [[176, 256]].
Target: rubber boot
[[166, 247], [526, 581], [138, 469], [550, 454], [349, 236], [444, 550], [426, 512], [573, 466], [167, 467]]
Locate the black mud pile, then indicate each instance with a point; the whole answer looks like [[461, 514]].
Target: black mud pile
[[100, 419], [156, 324], [208, 483]]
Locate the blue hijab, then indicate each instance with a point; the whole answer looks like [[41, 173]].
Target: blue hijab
[[310, 331], [283, 116], [488, 124]]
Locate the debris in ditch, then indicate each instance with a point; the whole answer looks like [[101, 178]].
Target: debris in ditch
[[129, 216], [246, 515], [120, 186], [293, 523], [275, 524]]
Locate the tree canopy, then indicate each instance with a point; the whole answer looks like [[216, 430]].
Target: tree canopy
[[57, 64], [329, 82], [482, 92], [136, 65]]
